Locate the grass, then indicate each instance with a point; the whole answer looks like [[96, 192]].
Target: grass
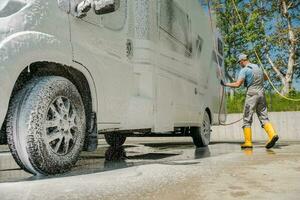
[[274, 101]]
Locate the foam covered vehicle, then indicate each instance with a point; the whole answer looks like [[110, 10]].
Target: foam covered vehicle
[[70, 70]]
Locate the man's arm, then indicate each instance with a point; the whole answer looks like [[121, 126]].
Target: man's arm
[[265, 77], [240, 81], [236, 84]]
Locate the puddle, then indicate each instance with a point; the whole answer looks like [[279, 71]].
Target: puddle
[[136, 153]]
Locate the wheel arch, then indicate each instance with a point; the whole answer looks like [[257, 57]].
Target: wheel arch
[[209, 114], [83, 83], [28, 54], [76, 76]]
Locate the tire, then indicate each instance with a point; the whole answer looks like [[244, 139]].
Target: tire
[[3, 138], [46, 126], [201, 135], [115, 139]]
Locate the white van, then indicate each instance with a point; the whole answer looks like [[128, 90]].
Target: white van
[[126, 67]]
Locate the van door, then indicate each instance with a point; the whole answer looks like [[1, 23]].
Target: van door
[[164, 121], [176, 78], [99, 43]]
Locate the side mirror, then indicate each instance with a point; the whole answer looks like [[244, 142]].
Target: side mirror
[[106, 6], [100, 7]]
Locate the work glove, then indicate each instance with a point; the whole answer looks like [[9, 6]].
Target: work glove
[[222, 83]]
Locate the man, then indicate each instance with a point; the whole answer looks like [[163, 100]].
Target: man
[[253, 78]]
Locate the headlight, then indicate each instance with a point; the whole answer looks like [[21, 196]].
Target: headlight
[[10, 7]]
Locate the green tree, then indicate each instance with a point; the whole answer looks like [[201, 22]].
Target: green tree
[[271, 28], [282, 40]]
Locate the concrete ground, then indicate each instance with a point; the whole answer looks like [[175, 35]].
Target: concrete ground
[[164, 168]]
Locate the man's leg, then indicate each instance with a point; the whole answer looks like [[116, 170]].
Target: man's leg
[[250, 104], [262, 113]]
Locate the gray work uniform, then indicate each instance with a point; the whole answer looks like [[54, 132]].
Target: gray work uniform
[[255, 101]]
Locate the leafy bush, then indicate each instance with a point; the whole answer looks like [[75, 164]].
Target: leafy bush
[[274, 101]]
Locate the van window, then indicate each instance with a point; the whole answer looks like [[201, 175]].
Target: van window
[[176, 23], [199, 44], [217, 59], [116, 20], [220, 61], [220, 47], [214, 56]]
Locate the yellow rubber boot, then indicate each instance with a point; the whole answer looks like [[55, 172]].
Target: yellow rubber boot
[[248, 138], [273, 137]]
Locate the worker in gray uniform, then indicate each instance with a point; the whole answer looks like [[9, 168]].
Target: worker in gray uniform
[[253, 78]]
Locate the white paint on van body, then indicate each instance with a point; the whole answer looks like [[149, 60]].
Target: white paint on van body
[[155, 87]]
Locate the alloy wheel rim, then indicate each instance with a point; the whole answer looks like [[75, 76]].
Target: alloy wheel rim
[[61, 125], [206, 128]]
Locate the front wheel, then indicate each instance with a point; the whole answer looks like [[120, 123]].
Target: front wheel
[[46, 126], [201, 135]]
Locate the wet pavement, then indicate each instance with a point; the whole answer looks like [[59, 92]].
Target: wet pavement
[[135, 152], [157, 166]]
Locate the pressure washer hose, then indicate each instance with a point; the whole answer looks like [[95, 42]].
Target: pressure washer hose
[[221, 105], [221, 72]]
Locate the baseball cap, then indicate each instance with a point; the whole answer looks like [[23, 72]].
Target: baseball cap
[[242, 57]]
